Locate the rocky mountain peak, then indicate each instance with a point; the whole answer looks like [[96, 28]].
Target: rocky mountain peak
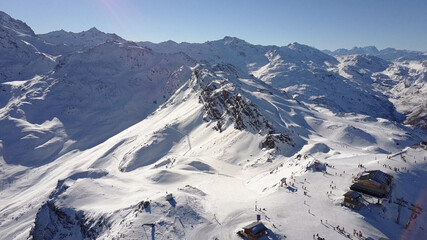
[[17, 26]]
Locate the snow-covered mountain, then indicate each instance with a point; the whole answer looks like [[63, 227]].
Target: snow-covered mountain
[[15, 25], [390, 54], [62, 42], [303, 72], [399, 74], [110, 86], [96, 131], [402, 82], [91, 37], [19, 58]]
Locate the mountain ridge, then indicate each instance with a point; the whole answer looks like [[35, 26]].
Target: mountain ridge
[[390, 54]]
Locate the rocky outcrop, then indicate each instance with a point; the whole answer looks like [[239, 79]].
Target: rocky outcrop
[[418, 117], [276, 141], [223, 104], [53, 222]]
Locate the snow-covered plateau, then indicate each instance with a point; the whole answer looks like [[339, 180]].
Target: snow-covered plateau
[[103, 138]]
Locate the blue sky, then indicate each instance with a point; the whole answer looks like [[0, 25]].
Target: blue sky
[[324, 24]]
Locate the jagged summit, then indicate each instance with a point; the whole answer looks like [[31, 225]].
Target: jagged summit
[[295, 45], [18, 26], [170, 42], [20, 58], [369, 50], [58, 42], [232, 40], [90, 30], [93, 29]]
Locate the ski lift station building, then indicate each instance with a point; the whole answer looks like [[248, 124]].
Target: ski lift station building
[[375, 183]]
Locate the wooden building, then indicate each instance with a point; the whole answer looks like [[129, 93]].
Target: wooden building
[[352, 200], [375, 183], [253, 231]]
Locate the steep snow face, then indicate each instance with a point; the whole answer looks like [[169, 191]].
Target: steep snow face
[[402, 82], [362, 65], [91, 96], [366, 72], [20, 60], [410, 91], [15, 25]]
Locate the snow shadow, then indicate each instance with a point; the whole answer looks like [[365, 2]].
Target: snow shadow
[[172, 202], [148, 209], [31, 145], [291, 189]]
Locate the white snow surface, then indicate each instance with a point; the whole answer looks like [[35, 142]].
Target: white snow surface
[[93, 126]]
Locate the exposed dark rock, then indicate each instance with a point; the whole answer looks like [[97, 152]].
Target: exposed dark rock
[[53, 222], [418, 117], [273, 141], [142, 205], [222, 103]]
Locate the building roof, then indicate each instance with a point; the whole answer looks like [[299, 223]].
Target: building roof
[[256, 227], [377, 176], [352, 194]]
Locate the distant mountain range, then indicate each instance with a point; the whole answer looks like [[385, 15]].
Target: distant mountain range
[[389, 54]]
